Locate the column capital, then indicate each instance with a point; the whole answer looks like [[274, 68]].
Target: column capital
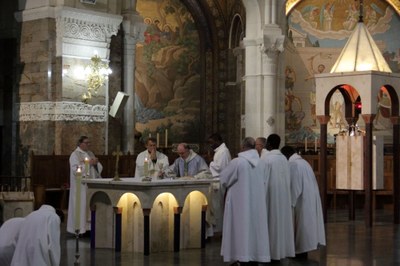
[[117, 210], [178, 210], [323, 119], [272, 44], [146, 212], [134, 27], [368, 118]]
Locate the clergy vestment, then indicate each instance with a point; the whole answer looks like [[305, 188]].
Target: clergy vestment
[[308, 217], [9, 232], [39, 239], [221, 159], [76, 159], [245, 231], [153, 167], [280, 220], [194, 166]]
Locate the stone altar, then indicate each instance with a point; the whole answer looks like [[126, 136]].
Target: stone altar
[[136, 216]]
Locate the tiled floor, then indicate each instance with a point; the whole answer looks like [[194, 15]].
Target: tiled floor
[[349, 243]]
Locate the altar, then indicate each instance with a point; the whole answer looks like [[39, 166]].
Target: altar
[[136, 216]]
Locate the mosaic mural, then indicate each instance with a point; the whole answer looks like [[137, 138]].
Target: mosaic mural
[[318, 31], [167, 76]]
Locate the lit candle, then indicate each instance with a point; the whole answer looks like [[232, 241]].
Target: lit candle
[[87, 167], [158, 139], [146, 167], [166, 138], [305, 143], [78, 178]]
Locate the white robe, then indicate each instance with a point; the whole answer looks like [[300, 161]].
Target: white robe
[[308, 217], [152, 167], [196, 167], [280, 220], [245, 231], [221, 159], [9, 232], [39, 239], [76, 159]]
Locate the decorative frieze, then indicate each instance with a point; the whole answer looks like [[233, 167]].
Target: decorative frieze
[[62, 111]]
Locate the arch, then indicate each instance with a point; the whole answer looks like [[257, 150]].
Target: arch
[[346, 96], [191, 215], [162, 222], [290, 4], [253, 18], [132, 223], [236, 31], [394, 98], [102, 204]]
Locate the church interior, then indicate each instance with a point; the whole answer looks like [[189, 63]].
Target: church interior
[[322, 74]]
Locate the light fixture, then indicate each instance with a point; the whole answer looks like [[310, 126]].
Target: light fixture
[[96, 75]]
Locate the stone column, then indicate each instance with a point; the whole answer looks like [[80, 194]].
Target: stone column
[[368, 118], [262, 54], [134, 28], [396, 170], [323, 161], [177, 228], [146, 231]]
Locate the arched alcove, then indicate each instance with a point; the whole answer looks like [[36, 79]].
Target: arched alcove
[[162, 222], [193, 207], [100, 203], [132, 223]]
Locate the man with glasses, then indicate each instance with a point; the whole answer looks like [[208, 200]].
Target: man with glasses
[[90, 167], [189, 164]]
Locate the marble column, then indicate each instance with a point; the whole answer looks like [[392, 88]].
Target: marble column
[[133, 27]]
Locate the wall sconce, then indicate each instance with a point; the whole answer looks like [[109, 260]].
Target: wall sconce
[[96, 75]]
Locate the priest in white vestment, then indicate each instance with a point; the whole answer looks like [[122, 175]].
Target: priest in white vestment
[[221, 159], [39, 239], [9, 232], [91, 168], [306, 201], [189, 164], [245, 228], [156, 162], [261, 144], [277, 183]]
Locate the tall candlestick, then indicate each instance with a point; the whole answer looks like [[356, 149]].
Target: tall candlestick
[[78, 179], [166, 138], [315, 145], [146, 167], [158, 139], [305, 144], [87, 167]]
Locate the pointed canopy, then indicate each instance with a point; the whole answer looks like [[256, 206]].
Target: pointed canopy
[[360, 54]]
